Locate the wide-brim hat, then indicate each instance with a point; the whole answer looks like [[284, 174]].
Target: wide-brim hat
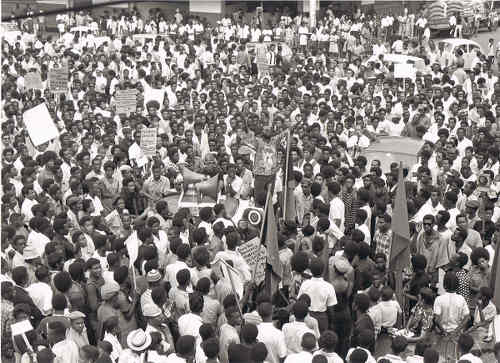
[[138, 340]]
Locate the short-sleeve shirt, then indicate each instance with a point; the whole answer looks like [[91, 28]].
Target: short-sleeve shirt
[[452, 309], [322, 293]]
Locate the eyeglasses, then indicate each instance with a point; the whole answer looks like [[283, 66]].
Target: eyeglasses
[[427, 224]]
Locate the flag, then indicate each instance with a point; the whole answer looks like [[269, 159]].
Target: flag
[[269, 237], [400, 248], [289, 183], [495, 276], [132, 244]]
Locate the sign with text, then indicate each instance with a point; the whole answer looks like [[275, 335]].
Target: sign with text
[[58, 79], [126, 101], [33, 80], [148, 141], [254, 253], [39, 124]]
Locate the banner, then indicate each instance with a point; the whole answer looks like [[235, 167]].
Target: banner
[[126, 101], [39, 124], [58, 79], [33, 80], [254, 253], [148, 141]]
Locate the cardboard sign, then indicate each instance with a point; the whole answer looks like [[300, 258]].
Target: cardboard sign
[[58, 79], [126, 101], [33, 80], [403, 70], [254, 253], [39, 124], [21, 328], [148, 141]]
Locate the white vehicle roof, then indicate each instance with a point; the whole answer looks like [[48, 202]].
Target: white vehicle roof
[[458, 41]]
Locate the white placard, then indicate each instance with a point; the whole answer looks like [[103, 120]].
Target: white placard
[[21, 328], [153, 94], [40, 125], [404, 70]]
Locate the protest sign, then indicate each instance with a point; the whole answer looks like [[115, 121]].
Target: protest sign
[[403, 70], [126, 101], [58, 79], [39, 124], [254, 253], [148, 141], [33, 80]]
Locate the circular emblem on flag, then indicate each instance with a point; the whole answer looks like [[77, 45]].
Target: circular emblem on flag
[[254, 217]]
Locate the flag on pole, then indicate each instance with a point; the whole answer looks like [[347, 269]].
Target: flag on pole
[[495, 276], [400, 248], [269, 234], [132, 244], [289, 210]]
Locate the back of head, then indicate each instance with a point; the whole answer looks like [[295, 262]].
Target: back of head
[[358, 356], [431, 356]]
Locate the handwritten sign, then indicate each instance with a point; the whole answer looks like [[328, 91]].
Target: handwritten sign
[[33, 80], [254, 253], [39, 124], [126, 101], [148, 141], [58, 79]]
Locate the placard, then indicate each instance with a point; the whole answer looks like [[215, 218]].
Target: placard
[[148, 141], [403, 70], [33, 80], [39, 124], [58, 79], [126, 101], [21, 328], [254, 253]]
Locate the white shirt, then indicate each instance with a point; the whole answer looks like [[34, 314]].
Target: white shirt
[[293, 333], [189, 324], [452, 309], [302, 357], [322, 293], [471, 358], [171, 272], [66, 351], [274, 339], [41, 293], [38, 241], [337, 211]]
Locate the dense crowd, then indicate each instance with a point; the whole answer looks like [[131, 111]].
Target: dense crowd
[[73, 207]]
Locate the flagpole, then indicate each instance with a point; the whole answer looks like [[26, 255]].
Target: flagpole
[[285, 184], [234, 290], [271, 186]]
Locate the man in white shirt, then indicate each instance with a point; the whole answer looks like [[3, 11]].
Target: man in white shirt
[[465, 344], [337, 208], [65, 350], [182, 252], [40, 291], [294, 331], [308, 345], [190, 323], [272, 337], [322, 294]]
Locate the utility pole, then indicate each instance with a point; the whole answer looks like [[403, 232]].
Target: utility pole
[[312, 13]]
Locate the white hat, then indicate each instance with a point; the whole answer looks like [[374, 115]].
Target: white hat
[[138, 340], [151, 310]]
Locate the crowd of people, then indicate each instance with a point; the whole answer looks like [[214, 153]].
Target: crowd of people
[[72, 207]]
